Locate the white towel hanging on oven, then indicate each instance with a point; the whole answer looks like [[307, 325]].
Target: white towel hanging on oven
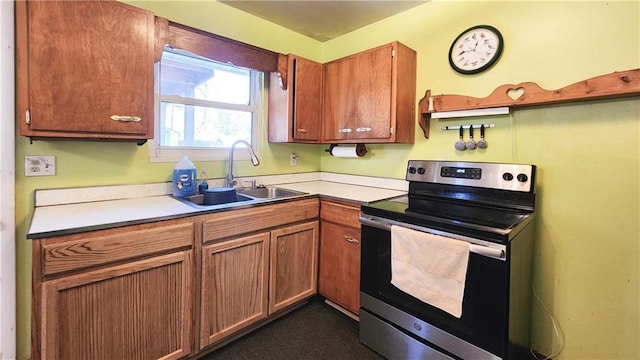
[[429, 267]]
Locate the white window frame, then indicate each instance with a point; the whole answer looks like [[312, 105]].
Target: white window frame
[[159, 153]]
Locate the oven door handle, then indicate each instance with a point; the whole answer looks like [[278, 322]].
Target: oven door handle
[[474, 248], [487, 251]]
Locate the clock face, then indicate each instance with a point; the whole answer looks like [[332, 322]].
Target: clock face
[[476, 49]]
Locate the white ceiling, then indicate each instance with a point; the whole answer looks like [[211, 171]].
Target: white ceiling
[[323, 20]]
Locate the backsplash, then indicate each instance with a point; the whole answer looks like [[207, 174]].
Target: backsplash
[[49, 197]]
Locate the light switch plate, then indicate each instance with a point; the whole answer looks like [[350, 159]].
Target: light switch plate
[[39, 165]]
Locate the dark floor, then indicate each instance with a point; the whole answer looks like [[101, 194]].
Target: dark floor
[[315, 331]]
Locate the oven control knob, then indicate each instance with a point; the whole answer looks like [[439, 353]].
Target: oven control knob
[[420, 171], [412, 170], [522, 177], [507, 176], [417, 326]]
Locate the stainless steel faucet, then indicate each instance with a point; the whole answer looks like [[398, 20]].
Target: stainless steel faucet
[[254, 160]]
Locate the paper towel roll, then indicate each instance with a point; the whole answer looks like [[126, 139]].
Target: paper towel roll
[[348, 151], [341, 151]]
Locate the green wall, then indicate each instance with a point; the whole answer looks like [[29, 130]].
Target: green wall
[[81, 163], [586, 267]]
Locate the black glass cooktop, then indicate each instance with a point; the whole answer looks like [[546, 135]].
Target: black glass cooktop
[[475, 220]]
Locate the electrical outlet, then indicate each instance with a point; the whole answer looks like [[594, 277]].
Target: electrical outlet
[[39, 165], [293, 159]]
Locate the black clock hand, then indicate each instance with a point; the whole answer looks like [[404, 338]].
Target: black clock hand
[[472, 48]]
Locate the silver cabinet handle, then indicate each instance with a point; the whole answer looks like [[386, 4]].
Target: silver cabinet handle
[[301, 130], [344, 130], [126, 118], [363, 129], [351, 240]]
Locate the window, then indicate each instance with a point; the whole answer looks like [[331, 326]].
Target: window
[[203, 107]]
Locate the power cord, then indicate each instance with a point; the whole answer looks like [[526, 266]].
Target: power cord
[[559, 335]]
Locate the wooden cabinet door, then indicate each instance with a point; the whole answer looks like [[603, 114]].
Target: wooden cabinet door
[[339, 279], [307, 99], [370, 96], [295, 114], [294, 274], [373, 79], [85, 69], [137, 310], [339, 100], [234, 286], [358, 96]]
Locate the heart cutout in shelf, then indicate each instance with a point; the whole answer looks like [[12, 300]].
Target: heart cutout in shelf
[[516, 93]]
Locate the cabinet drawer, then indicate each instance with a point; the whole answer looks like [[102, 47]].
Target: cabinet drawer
[[341, 213], [237, 222], [79, 251]]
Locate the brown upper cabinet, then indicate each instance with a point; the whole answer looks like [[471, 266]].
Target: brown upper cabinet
[[370, 96], [85, 70], [295, 100]]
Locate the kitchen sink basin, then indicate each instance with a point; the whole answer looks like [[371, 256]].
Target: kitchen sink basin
[[242, 196], [199, 200], [269, 192]]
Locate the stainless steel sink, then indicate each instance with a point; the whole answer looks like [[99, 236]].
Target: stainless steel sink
[[198, 201], [269, 192], [243, 196]]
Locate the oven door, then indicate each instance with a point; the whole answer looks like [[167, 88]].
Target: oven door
[[479, 333]]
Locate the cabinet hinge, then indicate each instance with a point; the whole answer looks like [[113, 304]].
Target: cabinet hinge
[[393, 52], [27, 117], [391, 131]]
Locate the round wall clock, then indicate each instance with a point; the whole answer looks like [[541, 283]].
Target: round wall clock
[[476, 49]]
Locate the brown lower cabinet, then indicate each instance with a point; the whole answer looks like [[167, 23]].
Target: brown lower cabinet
[[234, 286], [339, 278], [249, 278], [133, 292], [123, 293], [138, 310], [249, 273]]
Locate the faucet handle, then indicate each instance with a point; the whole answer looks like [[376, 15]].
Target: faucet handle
[[251, 184]]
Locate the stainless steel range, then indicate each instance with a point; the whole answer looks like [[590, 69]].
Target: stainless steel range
[[487, 208]]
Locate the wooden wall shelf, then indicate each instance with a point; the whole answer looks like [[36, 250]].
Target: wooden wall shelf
[[617, 84]]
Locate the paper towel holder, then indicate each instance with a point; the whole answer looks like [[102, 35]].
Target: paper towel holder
[[361, 149]]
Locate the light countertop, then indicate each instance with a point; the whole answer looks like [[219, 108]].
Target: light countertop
[[79, 217], [356, 193], [60, 219]]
